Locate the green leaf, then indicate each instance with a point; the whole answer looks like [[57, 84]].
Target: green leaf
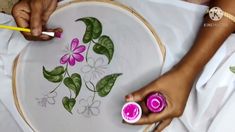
[[232, 69], [97, 27], [104, 47], [89, 30], [93, 28], [57, 71], [74, 83], [68, 104], [54, 76], [100, 49], [105, 85]]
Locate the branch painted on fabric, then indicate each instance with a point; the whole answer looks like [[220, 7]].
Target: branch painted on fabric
[[79, 53]]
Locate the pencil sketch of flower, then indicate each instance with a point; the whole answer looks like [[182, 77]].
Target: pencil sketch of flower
[[47, 99], [89, 107], [94, 68]]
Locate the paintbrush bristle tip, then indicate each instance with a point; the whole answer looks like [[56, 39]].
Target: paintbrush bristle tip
[[58, 34]]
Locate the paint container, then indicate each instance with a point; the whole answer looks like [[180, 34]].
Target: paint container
[[156, 102], [131, 112]]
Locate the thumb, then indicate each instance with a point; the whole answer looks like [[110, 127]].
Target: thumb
[[140, 95], [35, 20]]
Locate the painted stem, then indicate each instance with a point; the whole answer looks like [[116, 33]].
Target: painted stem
[[94, 41], [94, 91], [67, 72], [60, 82], [89, 45], [90, 88], [70, 94]]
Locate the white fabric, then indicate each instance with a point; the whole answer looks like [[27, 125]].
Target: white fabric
[[8, 123], [210, 106], [10, 45]]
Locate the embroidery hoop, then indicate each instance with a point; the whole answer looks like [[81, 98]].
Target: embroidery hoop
[[112, 2]]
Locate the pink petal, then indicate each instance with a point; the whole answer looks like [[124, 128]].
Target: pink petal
[[71, 61], [64, 59], [79, 49], [78, 57], [74, 44]]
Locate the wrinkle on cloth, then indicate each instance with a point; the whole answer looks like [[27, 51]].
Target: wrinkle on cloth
[[11, 43], [8, 123], [210, 106]]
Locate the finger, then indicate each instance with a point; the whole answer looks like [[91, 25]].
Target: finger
[[42, 37], [140, 95], [144, 108], [153, 117], [21, 15], [36, 21], [46, 37], [162, 125], [21, 6], [21, 22], [49, 11]]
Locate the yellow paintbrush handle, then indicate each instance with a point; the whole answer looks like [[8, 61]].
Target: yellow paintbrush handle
[[15, 28]]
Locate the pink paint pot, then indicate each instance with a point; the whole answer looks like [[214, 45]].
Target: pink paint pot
[[131, 112], [156, 102]]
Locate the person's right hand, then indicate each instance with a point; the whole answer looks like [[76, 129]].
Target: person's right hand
[[34, 14]]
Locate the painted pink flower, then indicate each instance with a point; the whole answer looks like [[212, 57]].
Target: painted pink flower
[[74, 53]]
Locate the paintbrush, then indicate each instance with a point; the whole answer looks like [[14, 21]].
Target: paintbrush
[[52, 34]]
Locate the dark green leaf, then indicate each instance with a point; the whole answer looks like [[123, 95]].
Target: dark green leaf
[[89, 30], [57, 71], [93, 28], [53, 77], [232, 69], [105, 85], [68, 104], [105, 47], [99, 49], [97, 27], [74, 83]]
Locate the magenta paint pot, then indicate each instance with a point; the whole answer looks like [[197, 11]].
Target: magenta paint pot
[[156, 102], [131, 112]]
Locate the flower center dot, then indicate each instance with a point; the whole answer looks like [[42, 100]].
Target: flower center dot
[[70, 52]]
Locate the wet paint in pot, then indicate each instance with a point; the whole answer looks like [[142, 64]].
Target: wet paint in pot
[[131, 112]]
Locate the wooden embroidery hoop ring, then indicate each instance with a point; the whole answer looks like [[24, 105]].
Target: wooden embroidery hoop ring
[[112, 2]]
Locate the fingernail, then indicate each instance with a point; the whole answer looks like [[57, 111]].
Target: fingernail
[[35, 32], [129, 98], [45, 37]]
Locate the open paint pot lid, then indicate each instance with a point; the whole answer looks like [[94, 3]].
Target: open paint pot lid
[[156, 102], [131, 112]]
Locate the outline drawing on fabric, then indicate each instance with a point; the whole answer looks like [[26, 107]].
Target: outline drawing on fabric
[[103, 46]]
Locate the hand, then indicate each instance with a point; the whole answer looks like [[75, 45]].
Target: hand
[[175, 86], [34, 14]]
